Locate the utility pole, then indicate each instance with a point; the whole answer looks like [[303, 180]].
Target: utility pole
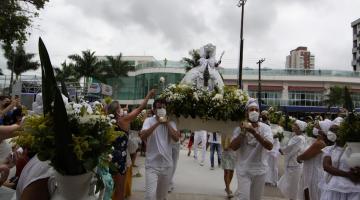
[[259, 82], [241, 4]]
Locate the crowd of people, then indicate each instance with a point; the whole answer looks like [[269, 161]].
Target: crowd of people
[[315, 168]]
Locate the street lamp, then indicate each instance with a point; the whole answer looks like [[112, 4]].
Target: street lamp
[[241, 4], [259, 82]]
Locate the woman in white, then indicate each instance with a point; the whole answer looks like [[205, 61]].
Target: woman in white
[[340, 182], [289, 182], [272, 175], [312, 157]]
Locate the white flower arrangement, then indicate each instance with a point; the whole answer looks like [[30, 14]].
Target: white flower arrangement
[[225, 104]]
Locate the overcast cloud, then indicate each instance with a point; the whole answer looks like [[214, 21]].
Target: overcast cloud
[[170, 28]]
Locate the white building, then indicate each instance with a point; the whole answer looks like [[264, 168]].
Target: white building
[[300, 58], [356, 45]]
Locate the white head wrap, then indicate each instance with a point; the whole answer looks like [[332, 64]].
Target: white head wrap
[[301, 124], [251, 103], [337, 121], [325, 125]]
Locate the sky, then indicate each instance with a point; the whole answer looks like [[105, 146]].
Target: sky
[[170, 28]]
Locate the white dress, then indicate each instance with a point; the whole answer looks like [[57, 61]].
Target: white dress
[[289, 182], [272, 175], [337, 187], [312, 174]]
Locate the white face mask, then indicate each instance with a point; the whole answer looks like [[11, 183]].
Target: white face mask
[[125, 112], [254, 116], [161, 112], [331, 136], [315, 131], [121, 114]]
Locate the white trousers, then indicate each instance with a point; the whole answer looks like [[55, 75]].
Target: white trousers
[[250, 187], [156, 182], [200, 136], [272, 174], [175, 158]]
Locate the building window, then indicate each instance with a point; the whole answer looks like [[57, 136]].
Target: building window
[[305, 98], [271, 98], [356, 99]]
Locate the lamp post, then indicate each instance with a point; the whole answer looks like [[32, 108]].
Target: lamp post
[[259, 82], [241, 4]]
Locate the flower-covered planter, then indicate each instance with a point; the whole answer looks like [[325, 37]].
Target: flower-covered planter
[[353, 159], [194, 124], [221, 104], [72, 187]]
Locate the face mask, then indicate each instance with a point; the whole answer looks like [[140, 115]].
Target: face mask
[[161, 112], [121, 113], [125, 112], [331, 136], [253, 116], [315, 131]]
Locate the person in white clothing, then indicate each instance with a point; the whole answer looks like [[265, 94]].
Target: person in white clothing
[[200, 136], [289, 182], [340, 181], [272, 175], [158, 132], [251, 141], [313, 172], [175, 157], [33, 181]]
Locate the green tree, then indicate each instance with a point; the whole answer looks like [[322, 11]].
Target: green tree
[[335, 97], [193, 61], [67, 73], [19, 61], [15, 18], [348, 103], [115, 67], [88, 66]]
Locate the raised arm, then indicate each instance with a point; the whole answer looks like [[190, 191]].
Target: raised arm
[[9, 131], [312, 151], [131, 116]]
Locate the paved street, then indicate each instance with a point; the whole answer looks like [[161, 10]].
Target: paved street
[[196, 182]]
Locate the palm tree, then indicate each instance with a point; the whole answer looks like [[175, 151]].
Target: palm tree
[[115, 67], [19, 61], [193, 61], [87, 65], [67, 73]]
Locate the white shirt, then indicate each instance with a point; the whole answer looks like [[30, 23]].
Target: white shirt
[[212, 138], [158, 144], [294, 148], [251, 157], [34, 170], [339, 157]]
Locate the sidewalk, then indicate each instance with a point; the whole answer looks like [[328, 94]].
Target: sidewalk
[[196, 182]]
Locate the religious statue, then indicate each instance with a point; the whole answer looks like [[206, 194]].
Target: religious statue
[[206, 75]]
